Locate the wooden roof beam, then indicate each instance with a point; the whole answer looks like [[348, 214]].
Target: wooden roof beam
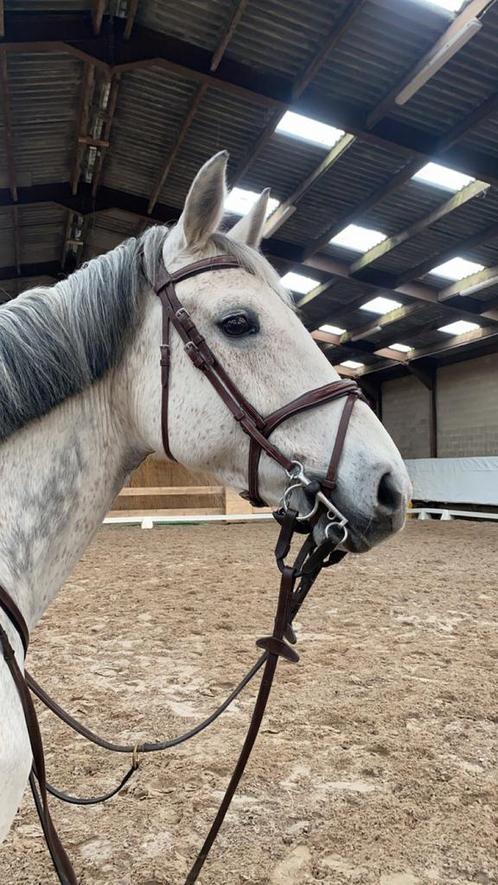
[[130, 18], [440, 348], [106, 133], [281, 213], [180, 138], [17, 238], [238, 12], [8, 130], [98, 9], [87, 88], [462, 246], [474, 189]]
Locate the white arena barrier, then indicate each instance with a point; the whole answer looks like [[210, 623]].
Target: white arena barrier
[[455, 480]]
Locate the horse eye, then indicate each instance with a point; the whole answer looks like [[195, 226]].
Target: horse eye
[[236, 325]]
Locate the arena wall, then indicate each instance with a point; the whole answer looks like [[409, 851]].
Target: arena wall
[[466, 410]]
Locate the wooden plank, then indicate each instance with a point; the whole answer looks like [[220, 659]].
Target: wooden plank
[[106, 132], [160, 491], [228, 33], [173, 511], [82, 122], [93, 142], [281, 213], [234, 503], [187, 121], [8, 132], [425, 266], [98, 8], [326, 337], [130, 18], [456, 201]]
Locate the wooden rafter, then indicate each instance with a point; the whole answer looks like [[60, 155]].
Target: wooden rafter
[[82, 122], [106, 133], [462, 246], [130, 18], [180, 138], [228, 33], [280, 215], [8, 131], [438, 348], [17, 238], [474, 189], [98, 9]]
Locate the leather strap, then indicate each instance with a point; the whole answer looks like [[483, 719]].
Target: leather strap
[[203, 358], [16, 618], [60, 859], [330, 481]]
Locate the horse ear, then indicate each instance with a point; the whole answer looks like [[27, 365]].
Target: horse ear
[[203, 209], [249, 229]]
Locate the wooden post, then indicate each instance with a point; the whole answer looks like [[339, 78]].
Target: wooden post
[[234, 503]]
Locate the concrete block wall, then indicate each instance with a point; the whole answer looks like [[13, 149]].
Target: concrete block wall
[[467, 410], [406, 408]]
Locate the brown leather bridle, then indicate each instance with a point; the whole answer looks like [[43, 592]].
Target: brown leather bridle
[[296, 579], [252, 423]]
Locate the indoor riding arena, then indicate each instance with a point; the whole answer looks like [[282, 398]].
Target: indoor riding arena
[[362, 374]]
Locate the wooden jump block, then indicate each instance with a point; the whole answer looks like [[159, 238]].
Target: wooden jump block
[[168, 491]]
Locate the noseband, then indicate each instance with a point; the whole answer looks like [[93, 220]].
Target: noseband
[[252, 423], [296, 579]]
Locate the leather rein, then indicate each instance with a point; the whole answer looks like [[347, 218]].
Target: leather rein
[[296, 579]]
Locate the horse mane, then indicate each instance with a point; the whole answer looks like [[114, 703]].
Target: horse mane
[[56, 341]]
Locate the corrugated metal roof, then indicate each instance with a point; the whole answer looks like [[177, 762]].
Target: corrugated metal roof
[[359, 172], [382, 43], [380, 47], [282, 35], [151, 106], [222, 122], [44, 95], [197, 21]]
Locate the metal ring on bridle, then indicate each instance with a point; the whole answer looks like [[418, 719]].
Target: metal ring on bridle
[[285, 502]]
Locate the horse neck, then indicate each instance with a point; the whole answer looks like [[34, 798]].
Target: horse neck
[[59, 476]]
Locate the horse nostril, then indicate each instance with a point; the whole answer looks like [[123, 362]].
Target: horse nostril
[[389, 496]]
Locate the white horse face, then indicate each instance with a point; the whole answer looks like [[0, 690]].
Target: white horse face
[[272, 358]]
